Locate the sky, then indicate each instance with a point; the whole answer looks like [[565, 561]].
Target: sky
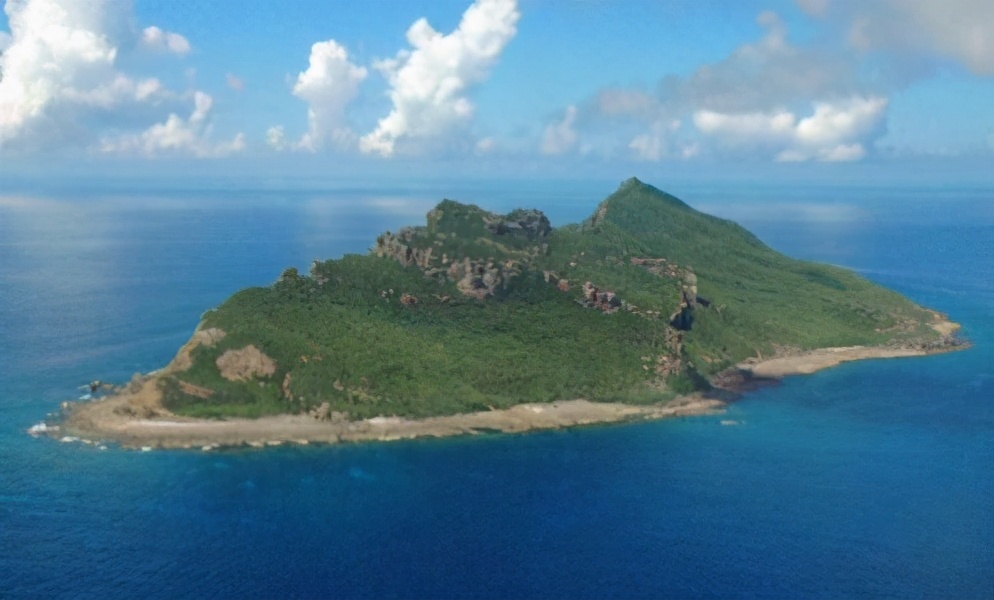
[[783, 89]]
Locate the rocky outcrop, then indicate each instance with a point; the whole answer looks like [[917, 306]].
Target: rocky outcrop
[[400, 247], [478, 279], [323, 412], [530, 223], [194, 390], [683, 317], [603, 300], [285, 387], [689, 288], [943, 344], [244, 364]]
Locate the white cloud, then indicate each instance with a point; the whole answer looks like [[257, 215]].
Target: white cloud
[[836, 131], [158, 40], [655, 144], [485, 145], [747, 126], [60, 82], [276, 137], [328, 85], [148, 89], [843, 153], [176, 136], [429, 84], [53, 50], [561, 137], [834, 123], [647, 147], [5, 40]]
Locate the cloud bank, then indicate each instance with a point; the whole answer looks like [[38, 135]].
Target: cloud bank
[[769, 98], [176, 136], [958, 30], [835, 132]]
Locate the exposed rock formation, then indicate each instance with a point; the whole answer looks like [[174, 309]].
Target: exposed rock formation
[[400, 246], [478, 279], [201, 337], [244, 364], [603, 300], [529, 223]]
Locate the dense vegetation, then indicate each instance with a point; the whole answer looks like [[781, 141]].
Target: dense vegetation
[[477, 310]]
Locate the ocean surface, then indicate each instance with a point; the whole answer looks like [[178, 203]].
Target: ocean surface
[[870, 480]]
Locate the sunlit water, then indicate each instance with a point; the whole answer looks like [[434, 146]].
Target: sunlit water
[[873, 479]]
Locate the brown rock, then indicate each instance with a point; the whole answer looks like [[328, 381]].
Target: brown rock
[[243, 364]]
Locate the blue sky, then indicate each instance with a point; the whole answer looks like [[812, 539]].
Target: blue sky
[[497, 88]]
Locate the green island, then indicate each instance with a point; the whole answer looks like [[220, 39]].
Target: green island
[[645, 302]]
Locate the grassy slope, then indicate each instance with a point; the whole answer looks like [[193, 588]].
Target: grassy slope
[[344, 343]]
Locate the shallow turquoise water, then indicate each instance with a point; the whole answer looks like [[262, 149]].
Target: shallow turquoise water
[[874, 479]]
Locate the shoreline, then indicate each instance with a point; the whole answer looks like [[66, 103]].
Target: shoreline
[[754, 373], [134, 417], [98, 423]]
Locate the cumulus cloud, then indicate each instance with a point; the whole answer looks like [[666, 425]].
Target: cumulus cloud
[[158, 40], [834, 132], [176, 136], [561, 137], [328, 85], [60, 82], [429, 85], [276, 137]]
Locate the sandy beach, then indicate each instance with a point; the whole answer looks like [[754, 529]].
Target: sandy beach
[[103, 421], [823, 358]]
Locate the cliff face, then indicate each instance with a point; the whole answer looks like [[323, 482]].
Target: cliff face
[[476, 309]]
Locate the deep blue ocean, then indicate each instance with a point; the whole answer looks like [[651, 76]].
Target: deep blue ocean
[[870, 480]]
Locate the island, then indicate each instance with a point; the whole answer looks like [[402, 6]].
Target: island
[[478, 322]]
